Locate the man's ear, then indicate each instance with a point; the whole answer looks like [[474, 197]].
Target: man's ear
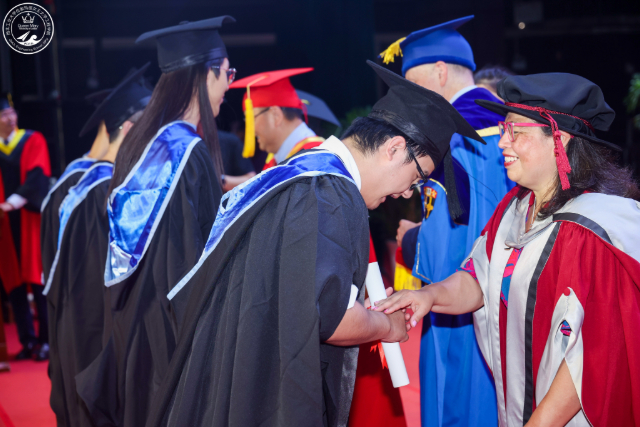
[[442, 72], [126, 127], [278, 115], [395, 147]]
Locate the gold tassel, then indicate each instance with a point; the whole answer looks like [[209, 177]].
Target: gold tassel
[[249, 130], [10, 99], [392, 51], [405, 280]]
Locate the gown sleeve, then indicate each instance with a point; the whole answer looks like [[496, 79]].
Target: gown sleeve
[[589, 311]]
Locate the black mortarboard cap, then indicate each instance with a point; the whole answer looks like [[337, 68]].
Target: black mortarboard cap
[[96, 98], [571, 97], [317, 108], [188, 43], [5, 101], [131, 95], [428, 119]]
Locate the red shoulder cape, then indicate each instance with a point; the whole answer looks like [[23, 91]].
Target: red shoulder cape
[[606, 282]]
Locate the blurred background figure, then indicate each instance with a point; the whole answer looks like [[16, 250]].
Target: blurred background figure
[[489, 76], [25, 169]]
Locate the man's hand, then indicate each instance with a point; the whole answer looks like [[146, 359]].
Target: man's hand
[[399, 327], [404, 226], [6, 207]]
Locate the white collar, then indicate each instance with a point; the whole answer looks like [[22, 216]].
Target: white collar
[[299, 133], [338, 148], [462, 92], [10, 137]]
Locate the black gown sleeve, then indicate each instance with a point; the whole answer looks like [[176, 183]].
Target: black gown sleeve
[[342, 249], [34, 189]]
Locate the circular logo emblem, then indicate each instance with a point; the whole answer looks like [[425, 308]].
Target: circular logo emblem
[[28, 28]]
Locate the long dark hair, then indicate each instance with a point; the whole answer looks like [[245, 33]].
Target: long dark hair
[[593, 169], [169, 101]]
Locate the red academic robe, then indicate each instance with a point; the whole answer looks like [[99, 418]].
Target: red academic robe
[[9, 267], [584, 269], [375, 401], [33, 153]]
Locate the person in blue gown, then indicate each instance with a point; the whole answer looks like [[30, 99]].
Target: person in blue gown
[[456, 387]]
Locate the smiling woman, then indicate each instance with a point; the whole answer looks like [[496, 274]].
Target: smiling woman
[[557, 267]]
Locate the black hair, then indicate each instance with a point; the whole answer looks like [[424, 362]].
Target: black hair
[[491, 75], [292, 113], [169, 101], [593, 169], [370, 134]]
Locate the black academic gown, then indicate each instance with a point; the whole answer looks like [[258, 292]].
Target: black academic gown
[[76, 304], [252, 350], [50, 220], [142, 326]]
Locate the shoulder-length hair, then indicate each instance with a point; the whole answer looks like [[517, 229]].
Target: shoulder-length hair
[[594, 170], [169, 101]]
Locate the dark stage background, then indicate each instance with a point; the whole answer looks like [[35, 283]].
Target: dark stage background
[[94, 47]]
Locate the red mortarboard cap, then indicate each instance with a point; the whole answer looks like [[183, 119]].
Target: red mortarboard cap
[[269, 89]]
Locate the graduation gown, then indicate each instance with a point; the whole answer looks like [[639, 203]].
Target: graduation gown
[[272, 286], [25, 169], [75, 291], [574, 295], [49, 211], [159, 220]]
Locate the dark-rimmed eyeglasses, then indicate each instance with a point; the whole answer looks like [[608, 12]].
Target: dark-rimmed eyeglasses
[[420, 172], [231, 73]]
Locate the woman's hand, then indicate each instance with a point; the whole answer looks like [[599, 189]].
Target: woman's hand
[[420, 302]]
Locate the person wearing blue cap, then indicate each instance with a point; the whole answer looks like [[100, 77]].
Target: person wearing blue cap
[[455, 385], [163, 199], [74, 289]]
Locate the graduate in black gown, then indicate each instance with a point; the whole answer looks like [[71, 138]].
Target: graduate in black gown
[[75, 288], [50, 219], [273, 326], [163, 199]]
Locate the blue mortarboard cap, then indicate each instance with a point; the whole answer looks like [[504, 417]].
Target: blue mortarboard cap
[[438, 43]]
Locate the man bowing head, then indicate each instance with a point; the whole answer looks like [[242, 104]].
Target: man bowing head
[[275, 310]]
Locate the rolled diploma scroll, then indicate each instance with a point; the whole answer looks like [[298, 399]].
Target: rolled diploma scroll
[[392, 352]]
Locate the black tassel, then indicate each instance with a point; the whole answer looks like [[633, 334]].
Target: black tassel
[[455, 210]]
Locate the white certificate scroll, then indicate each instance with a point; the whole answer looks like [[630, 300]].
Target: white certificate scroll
[[392, 352]]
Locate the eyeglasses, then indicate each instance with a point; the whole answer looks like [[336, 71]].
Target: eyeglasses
[[508, 128], [420, 172], [231, 73]]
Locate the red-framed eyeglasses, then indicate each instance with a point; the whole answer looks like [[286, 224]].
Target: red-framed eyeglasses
[[508, 127]]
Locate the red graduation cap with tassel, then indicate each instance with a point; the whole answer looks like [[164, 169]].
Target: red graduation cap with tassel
[[268, 89]]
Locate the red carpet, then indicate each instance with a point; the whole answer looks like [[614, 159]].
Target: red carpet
[[24, 391], [411, 393]]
